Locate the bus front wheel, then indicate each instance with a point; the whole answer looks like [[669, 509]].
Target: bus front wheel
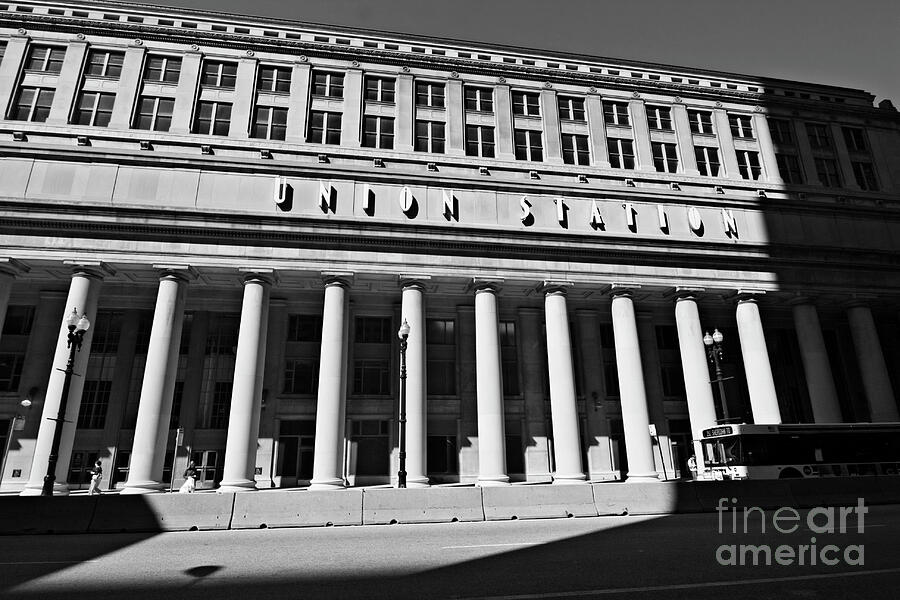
[[790, 473]]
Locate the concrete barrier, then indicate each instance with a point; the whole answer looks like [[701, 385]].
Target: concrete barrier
[[36, 514], [162, 512], [839, 491], [769, 494], [538, 502], [422, 505], [646, 498], [297, 508]]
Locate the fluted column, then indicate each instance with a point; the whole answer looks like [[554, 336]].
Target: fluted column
[[875, 377], [594, 111], [563, 408], [351, 121], [84, 291], [685, 139], [413, 310], [643, 155], [700, 401], [489, 382], [67, 85], [246, 396], [823, 396], [329, 451], [635, 415], [154, 411], [186, 92], [760, 383], [298, 103], [726, 144]]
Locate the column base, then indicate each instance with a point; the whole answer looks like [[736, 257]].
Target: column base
[[569, 478], [243, 485], [642, 477], [143, 487], [326, 484], [59, 489], [417, 482], [495, 481]]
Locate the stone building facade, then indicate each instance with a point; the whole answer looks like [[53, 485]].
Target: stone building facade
[[247, 210]]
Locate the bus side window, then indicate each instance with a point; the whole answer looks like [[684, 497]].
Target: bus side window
[[818, 453]]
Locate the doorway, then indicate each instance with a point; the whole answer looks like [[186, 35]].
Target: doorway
[[296, 448]]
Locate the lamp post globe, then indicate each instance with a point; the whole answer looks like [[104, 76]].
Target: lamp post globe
[[713, 345]]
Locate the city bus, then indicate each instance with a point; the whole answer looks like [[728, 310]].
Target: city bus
[[798, 451]]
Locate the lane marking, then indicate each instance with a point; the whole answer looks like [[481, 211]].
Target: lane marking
[[682, 586], [494, 545], [50, 562]]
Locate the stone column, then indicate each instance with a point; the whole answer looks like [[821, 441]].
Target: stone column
[[766, 148], [550, 127], [67, 86], [406, 115], [594, 112], [489, 382], [806, 155], [822, 394], [456, 119], [129, 87], [635, 415], [84, 291], [10, 67], [246, 396], [700, 400], [643, 155], [504, 139], [413, 310], [329, 451], [298, 103], [244, 96], [152, 429], [875, 377], [726, 144], [351, 121], [848, 179], [685, 139], [760, 383], [598, 454], [566, 439], [531, 361], [653, 389], [186, 92]]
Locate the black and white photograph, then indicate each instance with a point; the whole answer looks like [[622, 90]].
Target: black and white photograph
[[461, 299]]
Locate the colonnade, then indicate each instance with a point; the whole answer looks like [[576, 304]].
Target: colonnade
[[151, 431]]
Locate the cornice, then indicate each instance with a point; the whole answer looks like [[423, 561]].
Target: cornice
[[301, 48]]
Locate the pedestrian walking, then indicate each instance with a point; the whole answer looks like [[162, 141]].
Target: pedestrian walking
[[96, 476], [190, 479]]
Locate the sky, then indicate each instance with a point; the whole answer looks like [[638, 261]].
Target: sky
[[851, 43]]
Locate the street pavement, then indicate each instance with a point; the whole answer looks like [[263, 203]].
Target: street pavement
[[607, 557]]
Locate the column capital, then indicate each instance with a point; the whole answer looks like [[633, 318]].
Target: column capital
[[550, 286], [341, 278], [12, 267], [91, 268], [800, 300], [405, 280], [180, 272], [860, 300], [485, 284], [623, 289], [684, 293], [266, 276], [748, 295]]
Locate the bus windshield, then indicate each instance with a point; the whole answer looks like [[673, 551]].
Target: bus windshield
[[722, 452]]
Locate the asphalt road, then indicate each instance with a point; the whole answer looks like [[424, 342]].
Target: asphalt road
[[606, 557]]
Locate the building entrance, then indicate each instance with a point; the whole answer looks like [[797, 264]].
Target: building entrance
[[296, 447], [210, 465]]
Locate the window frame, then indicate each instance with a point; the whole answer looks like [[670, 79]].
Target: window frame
[[281, 77], [164, 70], [33, 105], [430, 138], [220, 74], [579, 156], [385, 90], [526, 103], [214, 117], [659, 118], [94, 110], [47, 61], [483, 99], [568, 109], [334, 84], [663, 156], [702, 121], [741, 126], [429, 94], [107, 64], [480, 142], [383, 135], [328, 117], [615, 112], [529, 150], [749, 165], [616, 148], [703, 156]]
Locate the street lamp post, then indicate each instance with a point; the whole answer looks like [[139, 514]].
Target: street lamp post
[[77, 328], [713, 345], [403, 334]]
